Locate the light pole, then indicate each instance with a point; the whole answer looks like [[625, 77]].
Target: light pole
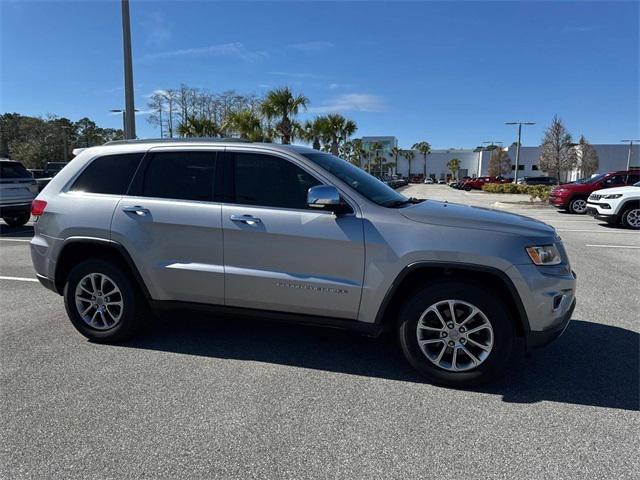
[[129, 112], [124, 119], [630, 142], [515, 176], [64, 140]]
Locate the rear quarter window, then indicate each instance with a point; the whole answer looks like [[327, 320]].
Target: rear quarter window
[[109, 174]]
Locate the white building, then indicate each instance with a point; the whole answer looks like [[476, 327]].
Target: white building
[[474, 162]]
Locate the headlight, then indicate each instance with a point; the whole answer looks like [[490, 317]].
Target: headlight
[[544, 255], [613, 195]]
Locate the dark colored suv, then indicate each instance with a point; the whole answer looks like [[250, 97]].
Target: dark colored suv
[[538, 181], [573, 196]]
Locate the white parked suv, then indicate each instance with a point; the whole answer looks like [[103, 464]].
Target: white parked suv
[[620, 206]]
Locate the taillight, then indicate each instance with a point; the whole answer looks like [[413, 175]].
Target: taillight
[[37, 207]]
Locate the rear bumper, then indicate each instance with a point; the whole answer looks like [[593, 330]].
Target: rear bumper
[[537, 339], [21, 208]]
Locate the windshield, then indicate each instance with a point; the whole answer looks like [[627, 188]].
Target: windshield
[[637, 184], [365, 184], [593, 179]]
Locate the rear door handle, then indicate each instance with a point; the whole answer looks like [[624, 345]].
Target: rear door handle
[[137, 209], [248, 219]]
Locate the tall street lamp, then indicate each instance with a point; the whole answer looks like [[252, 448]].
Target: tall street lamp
[[64, 140], [129, 112], [630, 142], [515, 176], [124, 118]]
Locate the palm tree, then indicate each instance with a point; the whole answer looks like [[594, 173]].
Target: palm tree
[[374, 149], [338, 130], [454, 165], [424, 148], [314, 131], [247, 124], [282, 104], [409, 155], [198, 127], [358, 150], [395, 151]]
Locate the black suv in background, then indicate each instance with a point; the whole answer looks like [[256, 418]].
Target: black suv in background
[[538, 181]]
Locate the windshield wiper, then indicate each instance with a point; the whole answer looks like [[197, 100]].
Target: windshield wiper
[[401, 203]]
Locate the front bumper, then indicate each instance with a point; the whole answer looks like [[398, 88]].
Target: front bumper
[[544, 337]]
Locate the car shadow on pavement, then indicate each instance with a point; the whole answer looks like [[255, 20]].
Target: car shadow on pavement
[[16, 232], [591, 364]]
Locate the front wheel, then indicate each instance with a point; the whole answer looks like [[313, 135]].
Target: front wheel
[[578, 205], [102, 302], [18, 220], [456, 334], [631, 217]]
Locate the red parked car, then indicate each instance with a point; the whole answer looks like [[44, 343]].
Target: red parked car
[[477, 183], [573, 196]]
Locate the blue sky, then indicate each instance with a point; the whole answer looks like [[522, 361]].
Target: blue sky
[[448, 72]]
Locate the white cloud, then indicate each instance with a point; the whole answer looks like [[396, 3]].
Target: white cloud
[[235, 49], [335, 86], [295, 74], [156, 30], [351, 102], [316, 46]]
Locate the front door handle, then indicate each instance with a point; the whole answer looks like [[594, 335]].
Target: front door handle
[[248, 219], [137, 209]]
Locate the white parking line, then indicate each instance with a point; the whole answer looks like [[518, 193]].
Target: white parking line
[[612, 246], [15, 239], [19, 279]]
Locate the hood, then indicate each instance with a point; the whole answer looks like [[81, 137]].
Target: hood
[[625, 189], [466, 216]]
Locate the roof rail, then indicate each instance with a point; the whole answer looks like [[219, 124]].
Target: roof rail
[[177, 140]]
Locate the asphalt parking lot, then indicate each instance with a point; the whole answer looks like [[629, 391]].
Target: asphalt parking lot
[[229, 398]]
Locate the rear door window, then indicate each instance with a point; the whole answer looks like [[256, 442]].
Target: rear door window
[[110, 174], [185, 175]]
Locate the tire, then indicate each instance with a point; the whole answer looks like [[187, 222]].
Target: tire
[[630, 218], [467, 189], [578, 206], [114, 324], [501, 334], [17, 221]]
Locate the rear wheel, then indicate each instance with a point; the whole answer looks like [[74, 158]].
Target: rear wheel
[[102, 302], [18, 220], [456, 334], [578, 205], [630, 218]]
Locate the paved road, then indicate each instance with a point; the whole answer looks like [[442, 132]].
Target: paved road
[[224, 398]]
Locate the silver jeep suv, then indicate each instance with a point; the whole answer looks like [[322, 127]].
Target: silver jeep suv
[[290, 233]]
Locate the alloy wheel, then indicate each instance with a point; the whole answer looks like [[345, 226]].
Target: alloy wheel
[[579, 206], [633, 218], [455, 335], [99, 301]]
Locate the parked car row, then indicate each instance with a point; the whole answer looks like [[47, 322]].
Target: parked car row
[[573, 196], [476, 183], [395, 182]]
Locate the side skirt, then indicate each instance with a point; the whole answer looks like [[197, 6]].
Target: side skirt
[[367, 329]]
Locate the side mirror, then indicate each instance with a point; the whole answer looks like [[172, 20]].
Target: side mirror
[[326, 197]]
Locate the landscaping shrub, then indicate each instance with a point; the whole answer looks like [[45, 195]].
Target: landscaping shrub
[[534, 191]]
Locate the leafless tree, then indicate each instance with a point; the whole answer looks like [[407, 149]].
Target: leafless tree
[[589, 161], [499, 163], [557, 155]]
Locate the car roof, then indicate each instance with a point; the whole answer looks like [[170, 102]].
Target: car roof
[[159, 142]]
